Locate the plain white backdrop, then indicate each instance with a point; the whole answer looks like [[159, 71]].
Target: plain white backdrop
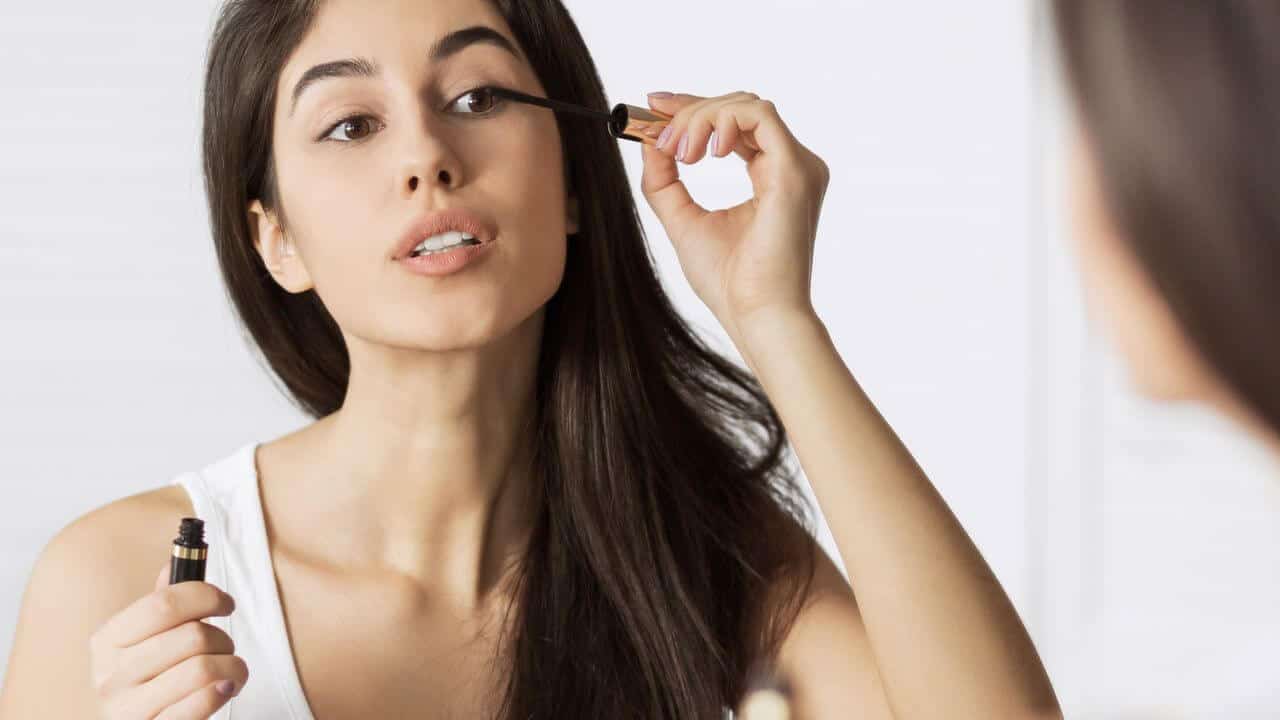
[[1138, 542]]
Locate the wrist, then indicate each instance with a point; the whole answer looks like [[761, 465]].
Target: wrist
[[775, 327]]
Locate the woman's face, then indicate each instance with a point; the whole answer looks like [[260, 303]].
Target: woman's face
[[350, 189], [1162, 362]]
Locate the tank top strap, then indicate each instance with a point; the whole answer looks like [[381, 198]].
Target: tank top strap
[[226, 495]]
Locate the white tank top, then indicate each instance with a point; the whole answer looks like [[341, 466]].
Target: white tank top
[[226, 497]]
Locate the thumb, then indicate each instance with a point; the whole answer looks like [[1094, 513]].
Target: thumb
[[163, 578], [667, 194]]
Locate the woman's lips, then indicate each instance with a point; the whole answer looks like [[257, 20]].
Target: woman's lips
[[441, 221], [447, 262]]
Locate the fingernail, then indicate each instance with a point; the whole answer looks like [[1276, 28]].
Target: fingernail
[[684, 146], [226, 687], [664, 137], [661, 95]]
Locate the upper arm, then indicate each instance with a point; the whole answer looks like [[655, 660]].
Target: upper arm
[[90, 570], [825, 655]]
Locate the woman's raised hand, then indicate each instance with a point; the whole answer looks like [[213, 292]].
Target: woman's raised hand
[[756, 256]]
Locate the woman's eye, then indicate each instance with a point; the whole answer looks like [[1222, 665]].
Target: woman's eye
[[347, 124], [478, 101]]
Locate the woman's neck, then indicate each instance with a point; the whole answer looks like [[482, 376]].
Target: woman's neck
[[426, 469]]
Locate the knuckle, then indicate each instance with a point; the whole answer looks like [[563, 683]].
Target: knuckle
[[821, 173], [101, 684], [205, 669], [194, 637], [95, 643], [209, 593], [104, 676], [165, 603], [223, 604]]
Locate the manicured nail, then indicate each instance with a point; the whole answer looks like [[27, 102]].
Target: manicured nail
[[226, 687], [684, 147], [664, 137], [661, 95]]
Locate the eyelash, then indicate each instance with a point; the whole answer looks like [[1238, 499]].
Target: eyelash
[[498, 102]]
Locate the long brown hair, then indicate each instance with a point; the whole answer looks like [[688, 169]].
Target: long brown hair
[[666, 559], [1181, 102]]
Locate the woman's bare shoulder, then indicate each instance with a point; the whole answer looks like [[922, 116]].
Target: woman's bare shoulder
[[92, 568], [126, 540], [147, 521], [825, 653]]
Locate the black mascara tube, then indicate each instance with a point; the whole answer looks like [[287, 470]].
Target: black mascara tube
[[189, 552]]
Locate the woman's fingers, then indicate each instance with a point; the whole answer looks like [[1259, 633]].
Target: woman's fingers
[[151, 657], [193, 676], [661, 182], [715, 117], [199, 705], [742, 121], [683, 108], [158, 658], [165, 608], [731, 124]]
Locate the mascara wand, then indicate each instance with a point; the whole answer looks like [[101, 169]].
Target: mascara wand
[[626, 122]]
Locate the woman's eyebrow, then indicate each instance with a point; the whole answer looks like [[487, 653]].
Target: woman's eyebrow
[[441, 50]]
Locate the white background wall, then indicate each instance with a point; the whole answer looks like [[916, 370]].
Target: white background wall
[[1139, 543]]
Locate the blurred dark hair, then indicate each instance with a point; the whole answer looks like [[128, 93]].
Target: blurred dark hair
[[671, 550], [1180, 100]]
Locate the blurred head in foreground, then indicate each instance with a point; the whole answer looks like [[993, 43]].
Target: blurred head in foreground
[[1176, 193]]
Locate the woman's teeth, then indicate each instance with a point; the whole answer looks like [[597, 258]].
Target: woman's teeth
[[443, 242]]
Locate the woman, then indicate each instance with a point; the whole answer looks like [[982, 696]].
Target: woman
[[530, 490], [1176, 169]]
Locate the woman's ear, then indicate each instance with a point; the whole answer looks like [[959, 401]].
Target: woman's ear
[[278, 252]]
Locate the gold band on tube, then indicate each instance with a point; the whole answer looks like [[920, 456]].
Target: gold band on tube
[[632, 122], [186, 553]]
